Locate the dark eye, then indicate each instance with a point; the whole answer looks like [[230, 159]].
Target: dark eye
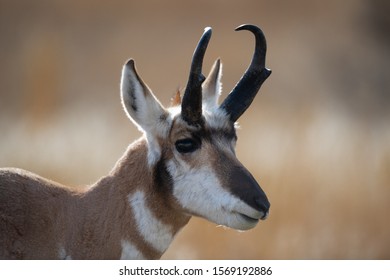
[[187, 145]]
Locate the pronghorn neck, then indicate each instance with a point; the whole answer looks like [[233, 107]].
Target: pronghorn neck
[[146, 214]]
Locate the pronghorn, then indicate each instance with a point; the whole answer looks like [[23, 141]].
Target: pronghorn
[[184, 165]]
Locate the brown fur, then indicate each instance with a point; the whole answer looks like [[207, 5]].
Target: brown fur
[[176, 100], [38, 217]]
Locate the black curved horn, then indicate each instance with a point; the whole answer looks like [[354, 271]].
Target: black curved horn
[[246, 89], [191, 106]]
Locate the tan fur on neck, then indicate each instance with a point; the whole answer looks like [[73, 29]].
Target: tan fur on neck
[[85, 225]]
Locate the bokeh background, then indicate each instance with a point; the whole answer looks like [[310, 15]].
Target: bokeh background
[[317, 137]]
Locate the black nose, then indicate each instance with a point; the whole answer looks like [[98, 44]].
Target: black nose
[[263, 205], [244, 185]]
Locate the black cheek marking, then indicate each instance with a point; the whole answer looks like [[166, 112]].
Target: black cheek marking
[[162, 178]]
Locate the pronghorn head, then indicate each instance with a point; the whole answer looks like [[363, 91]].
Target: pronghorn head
[[194, 141]]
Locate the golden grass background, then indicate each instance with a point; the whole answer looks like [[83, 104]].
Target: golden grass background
[[317, 137]]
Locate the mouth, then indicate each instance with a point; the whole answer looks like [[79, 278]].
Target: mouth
[[248, 219], [254, 218]]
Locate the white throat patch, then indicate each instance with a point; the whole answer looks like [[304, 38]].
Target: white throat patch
[[62, 255], [130, 252], [154, 232]]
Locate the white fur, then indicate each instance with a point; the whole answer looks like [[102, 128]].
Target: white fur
[[212, 86], [216, 118], [130, 252], [62, 255], [154, 150], [155, 233], [201, 193]]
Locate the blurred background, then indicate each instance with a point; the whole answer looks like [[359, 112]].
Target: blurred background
[[317, 137]]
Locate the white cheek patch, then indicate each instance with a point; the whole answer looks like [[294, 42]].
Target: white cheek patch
[[200, 191], [202, 194], [154, 232], [130, 252]]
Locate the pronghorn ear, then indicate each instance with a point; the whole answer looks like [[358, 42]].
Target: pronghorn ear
[[212, 86], [141, 106]]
